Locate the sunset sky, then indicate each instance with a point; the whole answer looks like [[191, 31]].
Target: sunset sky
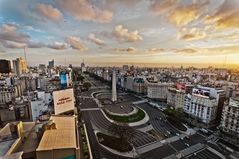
[[121, 31]]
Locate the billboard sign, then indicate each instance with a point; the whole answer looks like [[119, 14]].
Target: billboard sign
[[180, 86], [63, 100]]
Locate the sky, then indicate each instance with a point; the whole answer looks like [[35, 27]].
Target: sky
[[115, 32]]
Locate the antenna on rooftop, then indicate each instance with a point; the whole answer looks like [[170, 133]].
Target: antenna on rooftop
[[25, 55]]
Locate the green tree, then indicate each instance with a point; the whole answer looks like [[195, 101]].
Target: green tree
[[86, 85], [125, 133]]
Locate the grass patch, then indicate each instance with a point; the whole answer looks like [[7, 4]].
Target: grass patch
[[114, 143], [85, 148], [127, 119], [176, 123]]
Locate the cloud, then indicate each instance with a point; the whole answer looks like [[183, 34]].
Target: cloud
[[76, 43], [178, 13], [230, 49], [220, 50], [58, 46], [190, 34], [186, 51], [12, 45], [85, 10], [161, 7], [35, 45], [49, 12], [96, 40], [153, 50], [31, 28], [129, 50], [227, 16], [124, 34], [9, 32]]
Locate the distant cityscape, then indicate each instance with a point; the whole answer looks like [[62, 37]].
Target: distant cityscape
[[76, 112]]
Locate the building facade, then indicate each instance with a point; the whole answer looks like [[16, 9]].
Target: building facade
[[5, 66], [204, 104], [230, 117], [158, 90]]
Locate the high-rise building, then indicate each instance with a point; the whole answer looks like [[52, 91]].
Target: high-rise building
[[63, 78], [19, 66], [83, 69], [51, 64], [230, 117], [5, 66]]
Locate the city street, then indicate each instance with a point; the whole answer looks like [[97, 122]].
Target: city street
[[147, 145]]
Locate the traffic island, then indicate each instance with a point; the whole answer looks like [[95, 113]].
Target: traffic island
[[114, 143], [137, 116]]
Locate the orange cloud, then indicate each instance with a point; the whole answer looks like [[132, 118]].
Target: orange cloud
[[221, 50], [227, 16], [183, 15], [124, 34], [177, 13], [96, 40], [85, 10], [161, 7], [190, 34], [49, 12], [76, 43], [153, 50], [130, 50], [186, 51]]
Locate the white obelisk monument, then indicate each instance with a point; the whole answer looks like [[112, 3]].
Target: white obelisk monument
[[114, 93]]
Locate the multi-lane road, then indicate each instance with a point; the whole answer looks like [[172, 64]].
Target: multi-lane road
[[96, 121]]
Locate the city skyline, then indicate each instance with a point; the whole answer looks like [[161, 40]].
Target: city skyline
[[112, 32]]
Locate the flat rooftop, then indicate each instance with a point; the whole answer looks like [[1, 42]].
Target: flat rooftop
[[5, 145], [64, 136], [17, 155]]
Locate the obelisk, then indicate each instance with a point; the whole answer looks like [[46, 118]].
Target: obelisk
[[114, 93]]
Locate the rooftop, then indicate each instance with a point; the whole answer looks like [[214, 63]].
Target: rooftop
[[17, 155], [5, 145], [63, 136]]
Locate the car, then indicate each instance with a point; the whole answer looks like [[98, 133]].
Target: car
[[187, 144], [177, 134]]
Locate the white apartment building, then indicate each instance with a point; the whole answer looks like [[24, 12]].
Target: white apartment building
[[230, 117], [158, 90], [40, 104], [203, 104]]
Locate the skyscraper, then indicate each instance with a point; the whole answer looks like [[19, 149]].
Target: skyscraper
[[51, 64], [19, 66], [5, 66]]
